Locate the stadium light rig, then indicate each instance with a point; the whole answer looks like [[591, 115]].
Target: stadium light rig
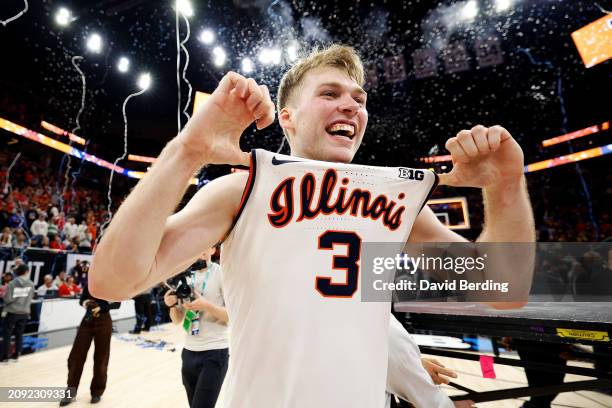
[[123, 65], [469, 11], [144, 81], [502, 5], [184, 7], [292, 51], [269, 56], [219, 55], [94, 43], [207, 37], [247, 65], [63, 17]]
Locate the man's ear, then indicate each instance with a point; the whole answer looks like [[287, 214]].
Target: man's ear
[[285, 119]]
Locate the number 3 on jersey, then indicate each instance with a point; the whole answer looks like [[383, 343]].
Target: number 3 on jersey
[[348, 263]]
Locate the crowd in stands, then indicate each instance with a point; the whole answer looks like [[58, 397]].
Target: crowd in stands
[[37, 212]]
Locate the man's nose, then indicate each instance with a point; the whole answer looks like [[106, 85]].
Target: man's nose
[[349, 105]]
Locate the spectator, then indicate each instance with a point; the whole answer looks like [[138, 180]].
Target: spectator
[[6, 237], [70, 229], [17, 301], [16, 262], [39, 228], [82, 230], [16, 219], [60, 279], [20, 240], [30, 216], [46, 286], [61, 221], [56, 243], [52, 229], [85, 242], [6, 279], [44, 243], [80, 274], [69, 288], [76, 269], [73, 245]]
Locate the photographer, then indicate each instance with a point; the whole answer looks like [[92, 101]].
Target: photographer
[[204, 318], [97, 326]]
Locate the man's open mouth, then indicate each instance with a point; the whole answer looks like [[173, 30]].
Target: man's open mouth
[[342, 129]]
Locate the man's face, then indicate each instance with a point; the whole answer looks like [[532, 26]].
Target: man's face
[[327, 116]]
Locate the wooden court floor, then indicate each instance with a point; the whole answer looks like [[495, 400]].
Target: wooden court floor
[[150, 377]]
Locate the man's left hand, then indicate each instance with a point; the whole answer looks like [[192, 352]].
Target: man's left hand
[[483, 157]]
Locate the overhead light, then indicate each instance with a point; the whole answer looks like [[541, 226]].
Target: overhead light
[[269, 56], [247, 65], [144, 81], [502, 5], [219, 55], [123, 65], [469, 10], [94, 43], [292, 50], [63, 17], [207, 36], [184, 7]]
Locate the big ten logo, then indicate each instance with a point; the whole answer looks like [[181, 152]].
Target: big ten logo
[[411, 174]]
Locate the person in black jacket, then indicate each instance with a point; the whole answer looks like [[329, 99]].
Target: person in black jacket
[[97, 326]]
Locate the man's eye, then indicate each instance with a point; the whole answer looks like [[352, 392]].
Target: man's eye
[[328, 93]]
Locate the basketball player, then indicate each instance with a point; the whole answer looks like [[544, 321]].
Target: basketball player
[[292, 229]]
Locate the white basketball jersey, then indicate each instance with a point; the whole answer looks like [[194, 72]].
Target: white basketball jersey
[[300, 336]]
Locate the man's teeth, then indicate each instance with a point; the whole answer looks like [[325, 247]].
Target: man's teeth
[[348, 130]]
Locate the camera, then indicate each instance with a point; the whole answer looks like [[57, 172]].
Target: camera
[[181, 284]]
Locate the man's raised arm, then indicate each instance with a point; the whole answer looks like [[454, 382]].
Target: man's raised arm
[[490, 159], [143, 245]]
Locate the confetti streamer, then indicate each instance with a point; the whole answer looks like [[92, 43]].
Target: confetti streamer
[[7, 184], [185, 67], [109, 213], [178, 70], [15, 17], [74, 130]]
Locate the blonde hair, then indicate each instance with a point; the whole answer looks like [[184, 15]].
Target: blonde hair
[[336, 55]]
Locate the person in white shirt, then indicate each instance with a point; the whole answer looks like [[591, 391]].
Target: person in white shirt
[[205, 354], [46, 286], [39, 228], [70, 229], [59, 279]]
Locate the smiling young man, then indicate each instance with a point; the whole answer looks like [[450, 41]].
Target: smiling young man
[[292, 230]]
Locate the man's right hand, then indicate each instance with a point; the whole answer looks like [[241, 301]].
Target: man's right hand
[[170, 298], [213, 134]]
